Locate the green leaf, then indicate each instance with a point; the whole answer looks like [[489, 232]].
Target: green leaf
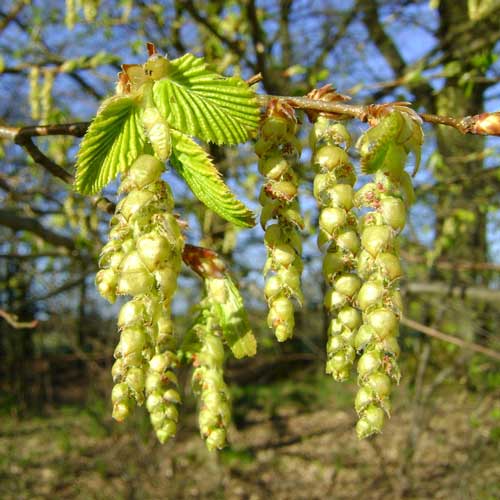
[[113, 141], [232, 318], [204, 104], [198, 170]]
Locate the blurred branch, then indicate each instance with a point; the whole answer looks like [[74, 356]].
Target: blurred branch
[[432, 332], [194, 11], [13, 321], [455, 266], [43, 160], [16, 222], [63, 288], [10, 16], [460, 292]]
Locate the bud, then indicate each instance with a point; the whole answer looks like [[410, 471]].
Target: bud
[[273, 235], [119, 393], [282, 190], [283, 254], [166, 281], [380, 384], [106, 281], [350, 317], [320, 186], [132, 340], [394, 212], [117, 370], [166, 431], [275, 128], [172, 396], [368, 363], [333, 263], [284, 332], [145, 170], [216, 440], [348, 240], [364, 397], [342, 196], [347, 284], [135, 380], [329, 157], [135, 278], [334, 300], [131, 313], [486, 123], [390, 266], [133, 202], [371, 422], [332, 219], [364, 337], [273, 287], [153, 250], [376, 239], [290, 279], [383, 321], [274, 167], [370, 294], [121, 410]]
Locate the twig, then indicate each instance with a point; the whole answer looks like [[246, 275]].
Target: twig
[[13, 321], [44, 160], [432, 332], [16, 222], [460, 265], [461, 292]]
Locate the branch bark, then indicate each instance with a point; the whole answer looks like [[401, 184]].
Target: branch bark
[[17, 222], [432, 332]]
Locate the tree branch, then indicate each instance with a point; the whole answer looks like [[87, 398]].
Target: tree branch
[[460, 292], [432, 332], [16, 222], [15, 323]]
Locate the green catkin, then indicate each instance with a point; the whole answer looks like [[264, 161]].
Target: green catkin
[[143, 258], [34, 95], [214, 413], [90, 9], [333, 189], [46, 94], [379, 265], [71, 8], [279, 150]]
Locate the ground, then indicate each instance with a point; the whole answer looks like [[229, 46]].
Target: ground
[[291, 441]]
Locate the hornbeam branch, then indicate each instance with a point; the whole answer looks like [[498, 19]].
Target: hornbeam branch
[[432, 332]]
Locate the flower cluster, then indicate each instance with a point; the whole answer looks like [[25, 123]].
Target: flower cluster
[[384, 150], [279, 150], [333, 189], [143, 259]]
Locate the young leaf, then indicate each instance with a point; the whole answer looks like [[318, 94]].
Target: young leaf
[[198, 170], [232, 318], [204, 104], [113, 141]]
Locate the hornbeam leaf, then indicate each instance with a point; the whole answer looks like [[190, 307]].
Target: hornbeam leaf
[[198, 170], [114, 139], [232, 316], [204, 104]]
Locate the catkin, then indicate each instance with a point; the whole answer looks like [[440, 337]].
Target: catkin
[[385, 147], [333, 189], [279, 150], [143, 259], [214, 413], [34, 95], [46, 94]]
